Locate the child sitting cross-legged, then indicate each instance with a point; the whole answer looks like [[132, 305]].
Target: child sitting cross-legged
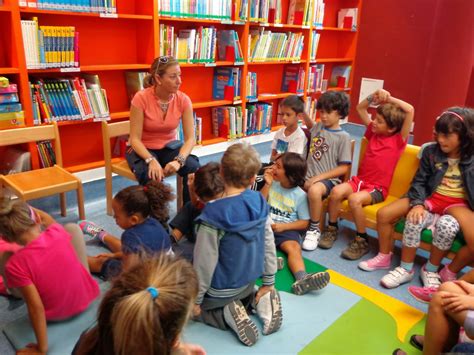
[[290, 215], [387, 137], [234, 247], [138, 210]]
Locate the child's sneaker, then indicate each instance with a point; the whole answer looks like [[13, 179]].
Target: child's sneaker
[[280, 263], [311, 240], [328, 238], [379, 262], [269, 310], [397, 277], [356, 249], [238, 320], [447, 275], [429, 279], [311, 282], [422, 294], [91, 229]]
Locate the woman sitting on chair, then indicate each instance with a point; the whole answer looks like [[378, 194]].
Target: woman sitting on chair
[[155, 114]]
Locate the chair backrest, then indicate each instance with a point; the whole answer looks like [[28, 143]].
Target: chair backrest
[[111, 130], [404, 171], [34, 134]]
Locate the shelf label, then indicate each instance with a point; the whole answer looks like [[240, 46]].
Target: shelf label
[[226, 22], [238, 63], [32, 4], [263, 24], [22, 3], [108, 15], [237, 102], [239, 22], [210, 64], [278, 25], [69, 70], [252, 100], [295, 62], [305, 26]]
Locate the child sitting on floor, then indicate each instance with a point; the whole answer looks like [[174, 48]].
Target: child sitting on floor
[[387, 136], [234, 247], [145, 310], [49, 272], [204, 185], [134, 210], [290, 215]]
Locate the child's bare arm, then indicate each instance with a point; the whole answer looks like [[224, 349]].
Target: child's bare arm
[[376, 97], [274, 155], [307, 120], [37, 317], [299, 225], [410, 113], [341, 170]]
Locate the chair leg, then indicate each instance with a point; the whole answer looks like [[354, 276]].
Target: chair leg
[[179, 192], [62, 202], [80, 201], [108, 194]]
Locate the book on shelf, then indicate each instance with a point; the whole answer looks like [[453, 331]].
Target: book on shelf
[[228, 46], [251, 93], [258, 118], [241, 9], [318, 14], [347, 18], [298, 12], [265, 11], [310, 107], [46, 153], [212, 10], [340, 75], [97, 96], [197, 129], [226, 83], [315, 78], [49, 46], [315, 36], [227, 122], [12, 119], [9, 100], [134, 82], [96, 6], [268, 46], [293, 79]]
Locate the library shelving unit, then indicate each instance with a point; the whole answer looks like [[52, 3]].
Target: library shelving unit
[[110, 45]]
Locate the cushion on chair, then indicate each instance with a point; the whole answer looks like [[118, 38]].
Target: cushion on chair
[[427, 236], [62, 336]]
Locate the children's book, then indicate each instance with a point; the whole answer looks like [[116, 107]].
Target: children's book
[[340, 75], [226, 77], [347, 18]]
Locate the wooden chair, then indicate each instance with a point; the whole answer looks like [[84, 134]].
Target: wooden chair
[[43, 182], [120, 166]]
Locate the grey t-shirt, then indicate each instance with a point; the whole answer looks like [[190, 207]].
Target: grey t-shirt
[[328, 149]]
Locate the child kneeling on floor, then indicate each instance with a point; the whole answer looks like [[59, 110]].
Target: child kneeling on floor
[[50, 272], [290, 215], [234, 247], [135, 209]]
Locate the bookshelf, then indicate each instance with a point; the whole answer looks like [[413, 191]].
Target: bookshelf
[[128, 40]]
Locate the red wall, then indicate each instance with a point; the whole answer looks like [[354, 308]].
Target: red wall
[[424, 52]]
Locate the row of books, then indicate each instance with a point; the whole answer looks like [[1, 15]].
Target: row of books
[[49, 46], [66, 99], [252, 89], [189, 45], [203, 9], [99, 6], [46, 153], [226, 83], [347, 18], [197, 130], [293, 79], [315, 78], [314, 45], [270, 46], [11, 112], [266, 11]]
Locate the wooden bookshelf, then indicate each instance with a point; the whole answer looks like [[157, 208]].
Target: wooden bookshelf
[[110, 45]]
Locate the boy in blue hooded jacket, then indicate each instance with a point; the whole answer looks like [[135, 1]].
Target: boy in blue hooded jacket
[[234, 247]]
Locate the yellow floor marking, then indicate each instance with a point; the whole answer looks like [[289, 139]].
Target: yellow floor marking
[[404, 315]]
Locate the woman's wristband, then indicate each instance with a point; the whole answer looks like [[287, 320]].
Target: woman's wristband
[[181, 159], [149, 159]]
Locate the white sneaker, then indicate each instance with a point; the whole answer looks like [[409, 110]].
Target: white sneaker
[[429, 279], [269, 310], [311, 240], [397, 277]]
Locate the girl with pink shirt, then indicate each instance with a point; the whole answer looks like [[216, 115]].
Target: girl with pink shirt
[[155, 115], [49, 270]]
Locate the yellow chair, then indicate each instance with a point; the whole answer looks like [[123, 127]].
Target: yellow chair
[[120, 166], [43, 182], [404, 172]]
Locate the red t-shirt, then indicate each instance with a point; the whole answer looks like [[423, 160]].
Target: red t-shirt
[[381, 158], [50, 263], [159, 129]]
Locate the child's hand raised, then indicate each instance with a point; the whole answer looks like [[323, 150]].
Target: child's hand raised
[[381, 96]]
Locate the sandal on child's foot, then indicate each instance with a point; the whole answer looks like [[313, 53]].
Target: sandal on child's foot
[[417, 341]]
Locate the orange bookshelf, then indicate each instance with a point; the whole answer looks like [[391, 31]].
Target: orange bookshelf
[[109, 45]]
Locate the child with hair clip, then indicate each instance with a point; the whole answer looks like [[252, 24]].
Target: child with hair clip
[[49, 272], [290, 215], [141, 212], [441, 194], [145, 310]]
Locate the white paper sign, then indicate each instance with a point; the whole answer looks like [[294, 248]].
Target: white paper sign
[[369, 86]]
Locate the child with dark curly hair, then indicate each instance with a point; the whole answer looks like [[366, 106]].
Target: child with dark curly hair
[[141, 212]]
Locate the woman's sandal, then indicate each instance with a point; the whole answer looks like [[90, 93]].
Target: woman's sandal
[[417, 341]]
